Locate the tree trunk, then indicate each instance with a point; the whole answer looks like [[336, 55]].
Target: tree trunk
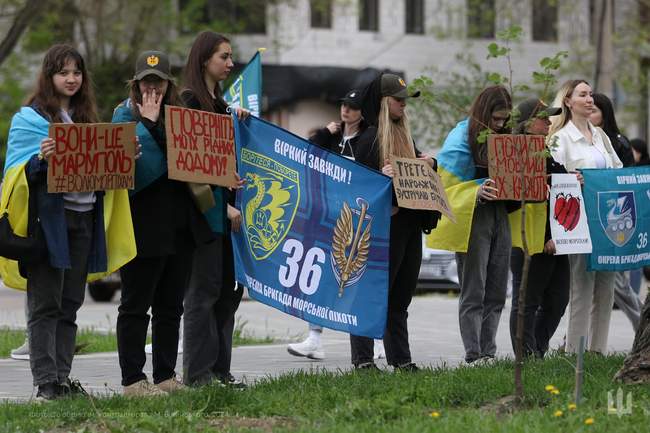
[[30, 11], [636, 367]]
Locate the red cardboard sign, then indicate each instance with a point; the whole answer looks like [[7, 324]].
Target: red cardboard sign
[[91, 157], [508, 157], [200, 146]]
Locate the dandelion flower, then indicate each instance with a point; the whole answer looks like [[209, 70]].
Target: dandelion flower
[[572, 406], [549, 388], [589, 421], [555, 391], [435, 414], [558, 413]]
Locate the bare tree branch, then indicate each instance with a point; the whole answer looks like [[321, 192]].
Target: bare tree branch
[[30, 12]]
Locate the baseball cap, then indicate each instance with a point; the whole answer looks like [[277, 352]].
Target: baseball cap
[[393, 85], [153, 63], [532, 107], [352, 99]]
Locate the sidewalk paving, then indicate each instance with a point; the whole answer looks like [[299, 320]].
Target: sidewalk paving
[[433, 328]]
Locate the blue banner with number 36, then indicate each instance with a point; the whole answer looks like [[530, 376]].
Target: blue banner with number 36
[[618, 211], [314, 239]]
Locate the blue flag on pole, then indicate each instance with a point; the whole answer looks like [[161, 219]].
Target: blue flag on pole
[[315, 230], [618, 210], [246, 90]]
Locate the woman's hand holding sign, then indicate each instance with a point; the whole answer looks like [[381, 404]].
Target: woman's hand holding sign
[[487, 192], [47, 148]]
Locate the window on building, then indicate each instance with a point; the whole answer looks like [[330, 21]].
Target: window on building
[[369, 15], [415, 16], [545, 19], [480, 19], [321, 14], [230, 16]]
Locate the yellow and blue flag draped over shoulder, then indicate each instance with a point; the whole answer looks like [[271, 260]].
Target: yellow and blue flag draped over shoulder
[[456, 168], [246, 90], [27, 130], [314, 241]]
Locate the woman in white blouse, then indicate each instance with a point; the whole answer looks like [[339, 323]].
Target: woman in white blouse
[[578, 145]]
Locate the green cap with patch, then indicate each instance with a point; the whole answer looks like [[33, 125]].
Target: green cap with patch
[[395, 86], [153, 63]]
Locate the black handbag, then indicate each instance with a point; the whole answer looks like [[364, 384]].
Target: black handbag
[[23, 249]]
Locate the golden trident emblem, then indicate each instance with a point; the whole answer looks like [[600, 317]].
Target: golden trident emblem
[[346, 237]]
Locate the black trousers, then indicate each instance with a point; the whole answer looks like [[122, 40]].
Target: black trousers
[[547, 296], [159, 283], [210, 305], [404, 268], [53, 298]]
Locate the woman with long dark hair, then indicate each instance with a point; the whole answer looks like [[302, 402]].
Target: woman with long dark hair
[[168, 228], [603, 116], [76, 241], [212, 297], [481, 238]]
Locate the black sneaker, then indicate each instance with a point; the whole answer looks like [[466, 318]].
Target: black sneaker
[[71, 388], [48, 392], [229, 380], [366, 366], [409, 367]]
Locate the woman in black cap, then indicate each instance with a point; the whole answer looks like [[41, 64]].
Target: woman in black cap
[[340, 137], [168, 227], [383, 107]]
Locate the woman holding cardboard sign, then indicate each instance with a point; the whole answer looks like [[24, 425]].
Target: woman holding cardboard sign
[[168, 227], [73, 241], [212, 296], [581, 145], [481, 236], [383, 107]]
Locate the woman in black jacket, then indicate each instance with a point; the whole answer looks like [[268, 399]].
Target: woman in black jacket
[[212, 297], [384, 103], [168, 227], [340, 137]]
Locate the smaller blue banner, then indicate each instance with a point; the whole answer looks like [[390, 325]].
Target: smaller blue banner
[[246, 90], [618, 211]]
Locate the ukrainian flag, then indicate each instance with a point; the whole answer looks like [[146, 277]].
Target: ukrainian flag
[[456, 168], [27, 130]]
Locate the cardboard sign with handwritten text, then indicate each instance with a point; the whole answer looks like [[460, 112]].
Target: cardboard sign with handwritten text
[[91, 157], [418, 186], [200, 146], [508, 157]]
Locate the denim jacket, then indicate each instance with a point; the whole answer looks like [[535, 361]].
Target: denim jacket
[[51, 215]]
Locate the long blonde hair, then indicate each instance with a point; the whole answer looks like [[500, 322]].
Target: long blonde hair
[[558, 122], [394, 136]]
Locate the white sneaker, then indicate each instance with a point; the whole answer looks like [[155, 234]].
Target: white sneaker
[[307, 348], [21, 352], [379, 350]]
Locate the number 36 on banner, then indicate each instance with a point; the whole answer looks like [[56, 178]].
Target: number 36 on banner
[[308, 275]]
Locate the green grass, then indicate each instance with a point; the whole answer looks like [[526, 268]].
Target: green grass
[[359, 403], [91, 341]]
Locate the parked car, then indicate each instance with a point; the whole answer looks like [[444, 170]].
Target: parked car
[[438, 270]]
